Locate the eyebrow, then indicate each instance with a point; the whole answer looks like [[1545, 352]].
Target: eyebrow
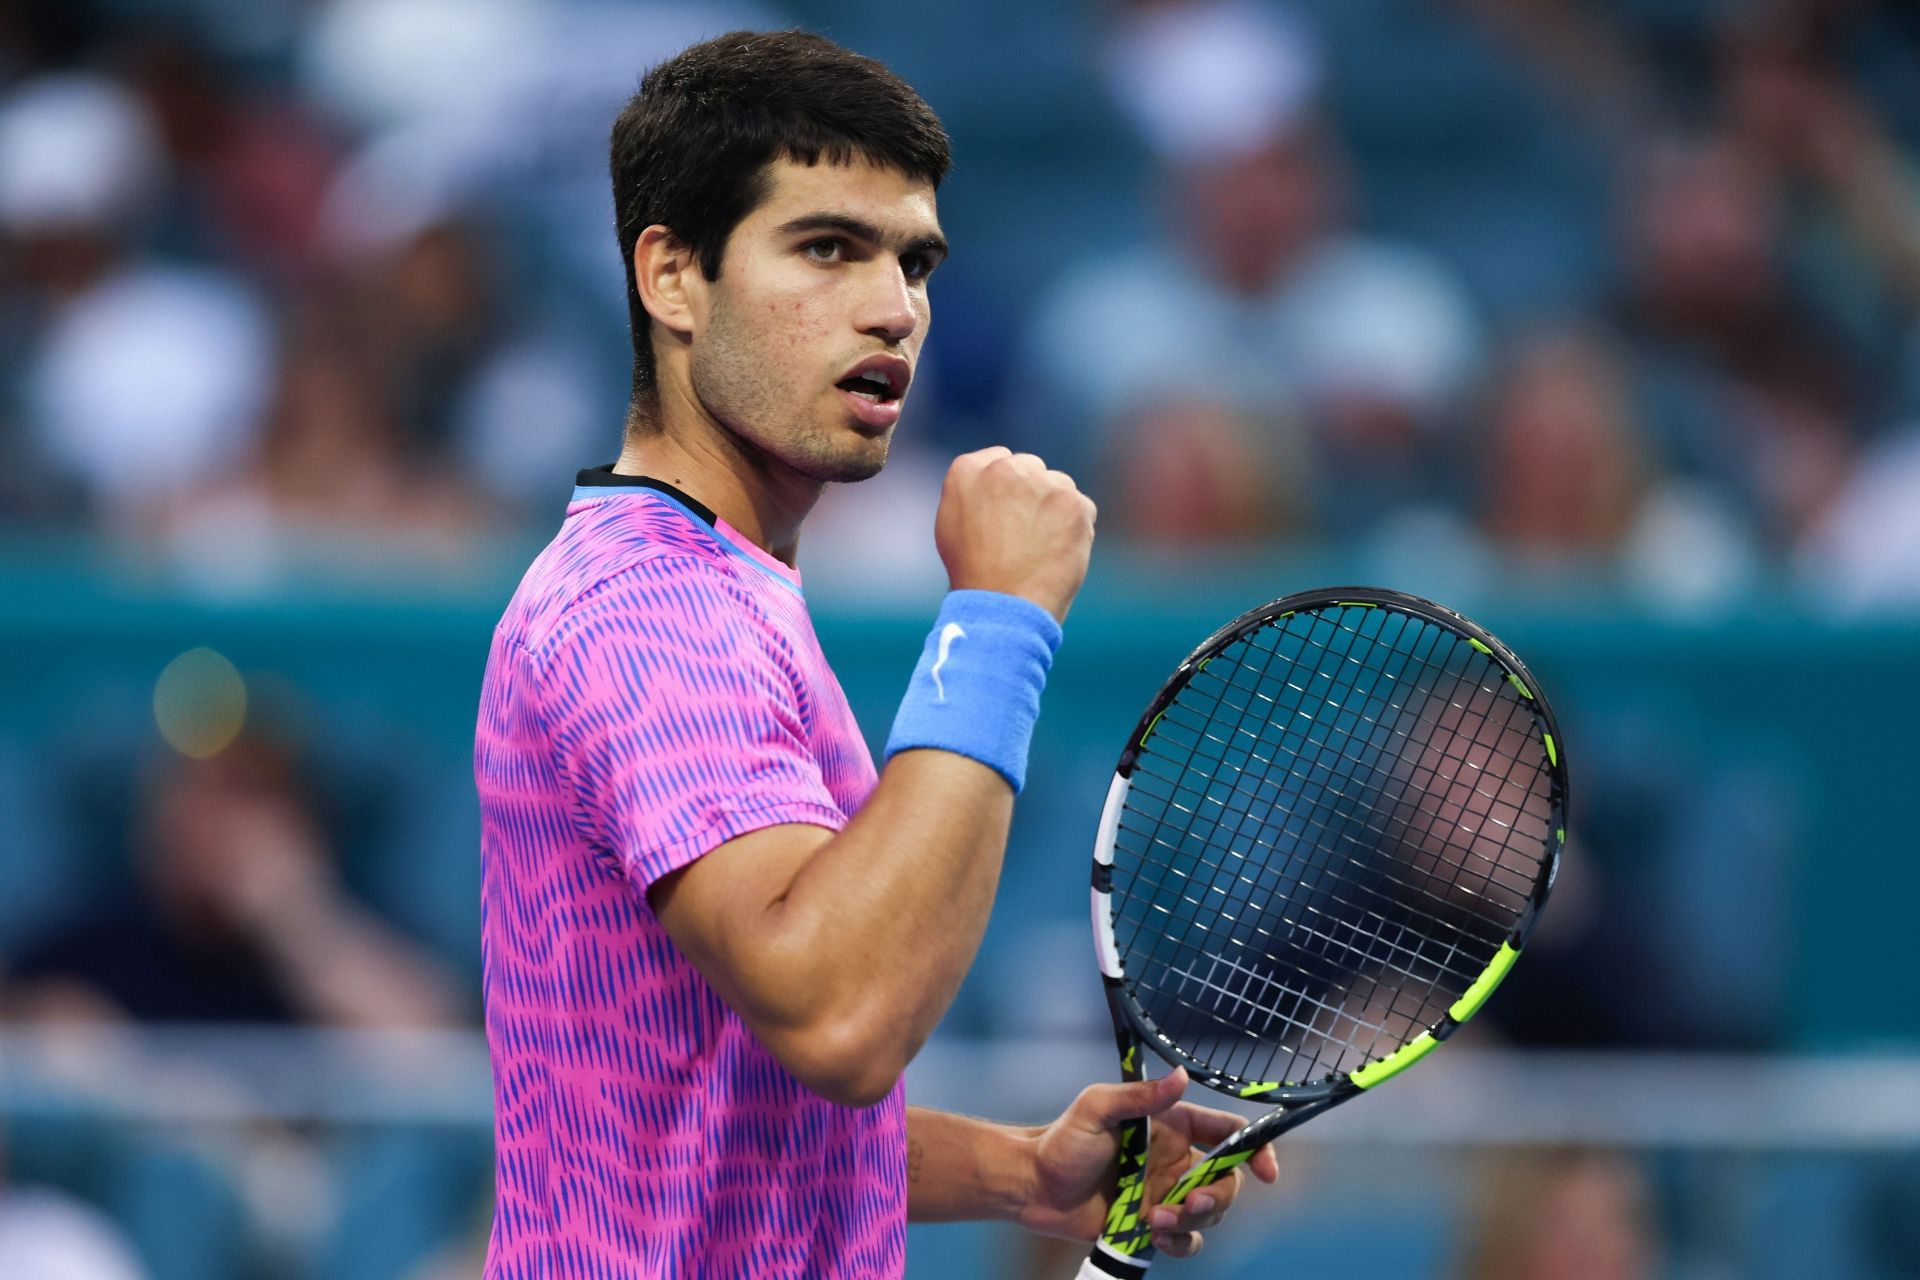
[[861, 230]]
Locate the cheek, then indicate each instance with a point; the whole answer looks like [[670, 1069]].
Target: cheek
[[798, 319], [799, 339]]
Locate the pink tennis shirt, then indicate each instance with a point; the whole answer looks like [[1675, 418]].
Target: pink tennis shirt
[[655, 689]]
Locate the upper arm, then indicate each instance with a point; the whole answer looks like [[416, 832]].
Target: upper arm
[[723, 911], [726, 912], [678, 723]]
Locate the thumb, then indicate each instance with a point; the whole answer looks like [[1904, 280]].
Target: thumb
[[1106, 1105]]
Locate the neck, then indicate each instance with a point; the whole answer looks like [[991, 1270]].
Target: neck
[[681, 443]]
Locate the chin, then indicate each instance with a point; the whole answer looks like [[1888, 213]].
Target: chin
[[851, 469], [862, 459]]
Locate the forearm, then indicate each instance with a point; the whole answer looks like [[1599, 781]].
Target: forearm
[[881, 923], [841, 950], [960, 1169]]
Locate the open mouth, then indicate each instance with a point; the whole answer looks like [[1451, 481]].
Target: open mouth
[[870, 386], [878, 380]]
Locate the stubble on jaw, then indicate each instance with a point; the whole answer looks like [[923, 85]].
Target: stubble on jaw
[[768, 416]]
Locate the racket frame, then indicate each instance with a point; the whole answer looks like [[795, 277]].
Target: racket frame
[[1125, 1248]]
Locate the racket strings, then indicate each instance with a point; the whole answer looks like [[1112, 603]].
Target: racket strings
[[1316, 780], [1316, 1023], [1294, 889], [1243, 711], [1243, 897], [1237, 792], [1320, 945], [1322, 873]]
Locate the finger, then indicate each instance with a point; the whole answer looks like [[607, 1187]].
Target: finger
[[1204, 1125], [1265, 1165], [1178, 1244], [1204, 1209], [1221, 1191], [971, 464], [1105, 1105], [1183, 1215]]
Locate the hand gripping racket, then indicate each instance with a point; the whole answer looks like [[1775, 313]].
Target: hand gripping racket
[[1326, 843]]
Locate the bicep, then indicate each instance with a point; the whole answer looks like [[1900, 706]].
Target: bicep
[[723, 911]]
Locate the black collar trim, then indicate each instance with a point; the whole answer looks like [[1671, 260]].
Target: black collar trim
[[606, 478]]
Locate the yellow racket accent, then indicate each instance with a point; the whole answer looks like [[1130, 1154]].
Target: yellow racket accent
[[1204, 1172], [1394, 1063], [1476, 995]]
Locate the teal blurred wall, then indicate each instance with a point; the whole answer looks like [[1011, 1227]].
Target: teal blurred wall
[[1819, 716]]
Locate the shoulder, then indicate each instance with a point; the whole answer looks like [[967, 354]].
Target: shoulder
[[623, 558], [672, 598]]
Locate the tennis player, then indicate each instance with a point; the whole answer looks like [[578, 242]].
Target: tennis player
[[713, 939]]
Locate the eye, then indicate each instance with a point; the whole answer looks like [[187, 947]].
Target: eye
[[828, 250], [917, 266]]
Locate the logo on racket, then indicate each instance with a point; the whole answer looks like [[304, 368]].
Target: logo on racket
[[948, 634]]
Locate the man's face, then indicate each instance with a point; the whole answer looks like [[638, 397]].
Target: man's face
[[825, 282]]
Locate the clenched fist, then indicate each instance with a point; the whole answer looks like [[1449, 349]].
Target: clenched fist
[[1008, 524]]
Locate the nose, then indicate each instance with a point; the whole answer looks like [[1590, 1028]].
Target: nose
[[889, 306]]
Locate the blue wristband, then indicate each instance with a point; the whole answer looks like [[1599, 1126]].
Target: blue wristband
[[976, 691]]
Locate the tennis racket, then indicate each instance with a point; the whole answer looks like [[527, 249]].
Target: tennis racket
[[1327, 841]]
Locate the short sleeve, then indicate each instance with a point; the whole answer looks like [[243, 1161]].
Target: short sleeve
[[677, 715]]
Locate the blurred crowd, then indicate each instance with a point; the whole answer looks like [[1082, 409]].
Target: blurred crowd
[[1627, 292], [1622, 294], [1702, 378]]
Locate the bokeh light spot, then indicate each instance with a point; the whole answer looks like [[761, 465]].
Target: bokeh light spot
[[200, 703]]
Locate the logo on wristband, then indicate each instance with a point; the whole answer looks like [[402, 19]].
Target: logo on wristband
[[948, 634]]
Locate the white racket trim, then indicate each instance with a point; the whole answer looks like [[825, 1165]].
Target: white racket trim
[[1103, 944]]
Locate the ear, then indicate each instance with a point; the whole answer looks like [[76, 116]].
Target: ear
[[667, 273]]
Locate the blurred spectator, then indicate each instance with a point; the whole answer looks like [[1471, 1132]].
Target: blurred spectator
[[1743, 386], [1864, 552], [334, 478], [484, 378], [133, 379], [1563, 1214], [239, 916], [48, 1236], [1568, 471], [251, 166], [1571, 484], [1787, 99], [1263, 368]]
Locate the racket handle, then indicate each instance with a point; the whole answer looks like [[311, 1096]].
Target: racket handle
[[1104, 1264]]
